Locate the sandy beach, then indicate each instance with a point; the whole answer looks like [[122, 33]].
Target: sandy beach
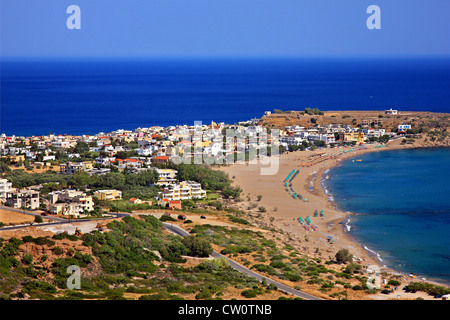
[[282, 210]]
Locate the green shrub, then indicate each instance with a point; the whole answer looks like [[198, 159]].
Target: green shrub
[[232, 249], [166, 218], [272, 286], [41, 286], [278, 264], [238, 220], [292, 276], [343, 256], [197, 246], [64, 235], [394, 283], [264, 268], [27, 258], [250, 293], [203, 295]]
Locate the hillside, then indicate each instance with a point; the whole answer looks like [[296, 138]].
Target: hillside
[[428, 120], [136, 258]]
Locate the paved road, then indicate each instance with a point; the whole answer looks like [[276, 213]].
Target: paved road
[[181, 232], [57, 220]]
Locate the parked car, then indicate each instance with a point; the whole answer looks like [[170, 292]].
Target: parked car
[[202, 217]]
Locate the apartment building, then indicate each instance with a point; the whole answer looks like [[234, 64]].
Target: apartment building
[[105, 195], [70, 202], [185, 190], [166, 176], [5, 188], [370, 132], [106, 161], [131, 163], [354, 136], [72, 167], [23, 199]]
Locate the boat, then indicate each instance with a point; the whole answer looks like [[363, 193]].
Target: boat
[[358, 160]]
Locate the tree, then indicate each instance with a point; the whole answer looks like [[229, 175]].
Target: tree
[[320, 143], [4, 167], [80, 179], [197, 246], [383, 138], [311, 111], [81, 147], [343, 256], [231, 192]]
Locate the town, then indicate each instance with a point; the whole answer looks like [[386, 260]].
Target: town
[[108, 203], [153, 149]]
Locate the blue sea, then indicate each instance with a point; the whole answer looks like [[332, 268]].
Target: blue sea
[[406, 223], [91, 96], [401, 203]]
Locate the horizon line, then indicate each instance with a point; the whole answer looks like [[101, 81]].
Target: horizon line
[[229, 57]]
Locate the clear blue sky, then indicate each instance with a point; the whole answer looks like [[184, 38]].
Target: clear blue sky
[[224, 28]]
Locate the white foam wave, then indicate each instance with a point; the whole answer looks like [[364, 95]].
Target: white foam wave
[[374, 252]]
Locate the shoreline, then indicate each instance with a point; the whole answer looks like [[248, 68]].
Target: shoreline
[[347, 218], [346, 227], [335, 223]]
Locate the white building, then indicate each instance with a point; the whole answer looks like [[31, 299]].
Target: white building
[[390, 111], [403, 127], [166, 176], [328, 138], [70, 202], [25, 198], [183, 191], [5, 188], [370, 132]]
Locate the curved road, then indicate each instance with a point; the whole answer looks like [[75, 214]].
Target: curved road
[[181, 232]]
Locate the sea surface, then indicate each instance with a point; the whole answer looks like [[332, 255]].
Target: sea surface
[[401, 199], [92, 96]]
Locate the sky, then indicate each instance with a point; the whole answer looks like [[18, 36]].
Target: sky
[[224, 28]]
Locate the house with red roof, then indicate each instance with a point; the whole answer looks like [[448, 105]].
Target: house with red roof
[[175, 204], [161, 159]]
